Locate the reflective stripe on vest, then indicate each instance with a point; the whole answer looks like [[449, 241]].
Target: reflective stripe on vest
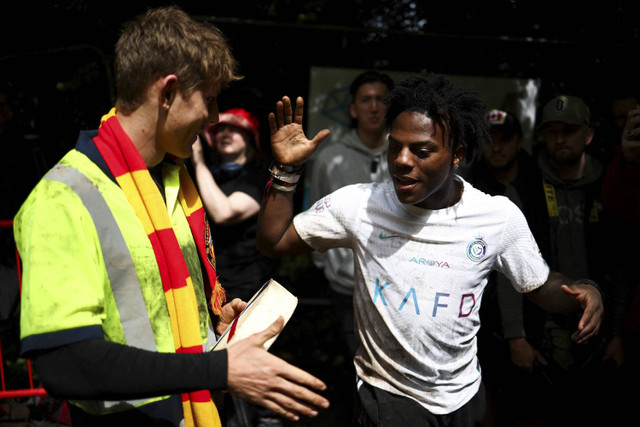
[[122, 277]]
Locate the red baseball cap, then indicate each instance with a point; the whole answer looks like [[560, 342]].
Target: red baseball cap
[[237, 117]]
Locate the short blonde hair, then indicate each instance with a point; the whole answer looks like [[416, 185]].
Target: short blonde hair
[[167, 41]]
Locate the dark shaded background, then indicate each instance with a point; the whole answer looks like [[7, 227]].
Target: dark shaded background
[[55, 56]]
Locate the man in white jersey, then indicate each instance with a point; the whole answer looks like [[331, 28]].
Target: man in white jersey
[[424, 245]]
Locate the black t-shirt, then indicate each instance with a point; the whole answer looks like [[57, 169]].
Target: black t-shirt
[[241, 267]]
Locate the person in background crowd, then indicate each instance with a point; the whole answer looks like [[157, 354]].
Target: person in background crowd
[[621, 198], [358, 157], [506, 169], [574, 238], [231, 184], [621, 195]]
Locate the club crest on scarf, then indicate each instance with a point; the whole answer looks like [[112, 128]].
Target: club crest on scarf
[[208, 243]]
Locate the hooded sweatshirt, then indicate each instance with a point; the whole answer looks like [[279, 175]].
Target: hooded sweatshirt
[[579, 210]]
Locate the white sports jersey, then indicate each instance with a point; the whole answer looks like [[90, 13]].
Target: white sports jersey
[[420, 275]]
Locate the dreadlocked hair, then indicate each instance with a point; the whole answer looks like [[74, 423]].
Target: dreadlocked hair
[[458, 110]]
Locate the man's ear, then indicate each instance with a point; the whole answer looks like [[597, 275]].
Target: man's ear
[[589, 135], [458, 156], [168, 88], [352, 111]]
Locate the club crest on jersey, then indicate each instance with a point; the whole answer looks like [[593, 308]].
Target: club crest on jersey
[[477, 249]]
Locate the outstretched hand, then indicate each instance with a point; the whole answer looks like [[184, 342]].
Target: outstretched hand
[[258, 376], [289, 145], [590, 300]]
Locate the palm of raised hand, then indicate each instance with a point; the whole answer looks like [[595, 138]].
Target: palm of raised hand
[[289, 144]]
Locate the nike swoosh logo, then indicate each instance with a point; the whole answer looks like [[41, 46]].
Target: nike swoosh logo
[[384, 237]]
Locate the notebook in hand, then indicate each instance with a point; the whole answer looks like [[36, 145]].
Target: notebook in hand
[[270, 302]]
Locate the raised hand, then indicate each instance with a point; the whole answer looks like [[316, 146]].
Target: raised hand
[[289, 144]]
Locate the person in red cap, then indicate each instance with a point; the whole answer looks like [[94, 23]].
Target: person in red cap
[[231, 178]]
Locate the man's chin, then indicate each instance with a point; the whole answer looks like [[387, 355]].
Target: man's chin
[[501, 166], [183, 154], [566, 160], [405, 198]]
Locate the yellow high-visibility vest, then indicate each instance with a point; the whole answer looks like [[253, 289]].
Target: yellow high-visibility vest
[[90, 270]]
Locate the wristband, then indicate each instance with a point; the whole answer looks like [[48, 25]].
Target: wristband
[[281, 185], [290, 174]]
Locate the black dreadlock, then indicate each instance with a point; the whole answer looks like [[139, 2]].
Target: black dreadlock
[[458, 110]]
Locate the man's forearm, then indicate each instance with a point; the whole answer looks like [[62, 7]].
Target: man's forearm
[[104, 370], [550, 296], [213, 198], [275, 218]]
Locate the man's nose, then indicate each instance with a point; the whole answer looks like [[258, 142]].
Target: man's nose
[[403, 159]]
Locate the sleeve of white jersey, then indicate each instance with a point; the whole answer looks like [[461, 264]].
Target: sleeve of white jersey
[[327, 223], [520, 258]]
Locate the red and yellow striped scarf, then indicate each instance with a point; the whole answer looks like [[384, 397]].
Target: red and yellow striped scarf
[[133, 177]]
